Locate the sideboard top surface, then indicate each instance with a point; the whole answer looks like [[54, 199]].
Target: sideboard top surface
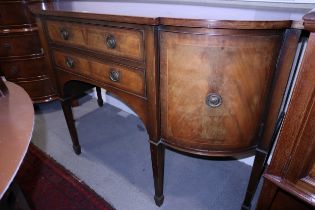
[[173, 14]]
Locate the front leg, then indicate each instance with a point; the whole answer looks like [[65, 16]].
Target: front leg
[[99, 96], [67, 111], [157, 158], [257, 171]]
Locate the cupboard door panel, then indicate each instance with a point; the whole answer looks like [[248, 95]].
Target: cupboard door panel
[[214, 88]]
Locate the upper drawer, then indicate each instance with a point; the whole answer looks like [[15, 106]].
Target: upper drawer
[[127, 43], [15, 13], [114, 75], [20, 45]]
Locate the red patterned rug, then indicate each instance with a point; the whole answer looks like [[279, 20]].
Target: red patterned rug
[[49, 186]]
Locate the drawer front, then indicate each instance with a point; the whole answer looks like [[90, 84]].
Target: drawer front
[[15, 13], [38, 89], [112, 74], [21, 69], [214, 88], [20, 45], [127, 43]]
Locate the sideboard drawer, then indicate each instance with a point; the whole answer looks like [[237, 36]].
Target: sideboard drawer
[[127, 43], [214, 88], [118, 76], [15, 13], [20, 45], [38, 89], [17, 69]]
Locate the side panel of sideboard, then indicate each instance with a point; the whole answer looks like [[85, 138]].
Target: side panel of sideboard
[[291, 171]]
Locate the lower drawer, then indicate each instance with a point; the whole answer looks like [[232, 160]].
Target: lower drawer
[[39, 90], [21, 69], [19, 45], [117, 76]]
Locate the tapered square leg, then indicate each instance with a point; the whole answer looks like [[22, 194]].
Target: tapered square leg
[[157, 158], [99, 97], [257, 171], [66, 107]]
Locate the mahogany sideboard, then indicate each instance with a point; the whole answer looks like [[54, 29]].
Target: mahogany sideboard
[[21, 57], [290, 178], [209, 82]]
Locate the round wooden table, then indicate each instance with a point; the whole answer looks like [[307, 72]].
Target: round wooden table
[[16, 127]]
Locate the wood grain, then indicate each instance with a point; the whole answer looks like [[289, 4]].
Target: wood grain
[[129, 80], [237, 67], [293, 162], [129, 42], [23, 68], [21, 17], [20, 45]]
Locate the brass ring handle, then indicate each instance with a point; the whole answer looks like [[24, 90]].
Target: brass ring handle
[[110, 41], [213, 100], [64, 33], [70, 62], [114, 75]]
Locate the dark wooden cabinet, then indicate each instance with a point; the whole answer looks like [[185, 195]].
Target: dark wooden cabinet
[[209, 86], [22, 59], [290, 177]]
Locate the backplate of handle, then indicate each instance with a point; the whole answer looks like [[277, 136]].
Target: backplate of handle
[[114, 75], [110, 41], [213, 100], [69, 62], [64, 33]]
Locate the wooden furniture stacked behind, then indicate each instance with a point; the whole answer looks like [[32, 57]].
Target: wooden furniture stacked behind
[[290, 177], [21, 56], [200, 82]]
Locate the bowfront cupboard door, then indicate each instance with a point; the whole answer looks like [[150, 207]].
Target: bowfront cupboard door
[[214, 87]]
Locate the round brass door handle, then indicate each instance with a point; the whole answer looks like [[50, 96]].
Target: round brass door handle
[[64, 33], [114, 75], [213, 100], [111, 41], [69, 62]]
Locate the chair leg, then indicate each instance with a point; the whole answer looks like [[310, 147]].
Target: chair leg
[[66, 107], [157, 158], [99, 97]]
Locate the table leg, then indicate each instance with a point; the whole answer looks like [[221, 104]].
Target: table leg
[[157, 158], [66, 107], [99, 97], [257, 171]]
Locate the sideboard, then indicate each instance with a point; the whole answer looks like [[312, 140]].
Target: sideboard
[[208, 82]]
